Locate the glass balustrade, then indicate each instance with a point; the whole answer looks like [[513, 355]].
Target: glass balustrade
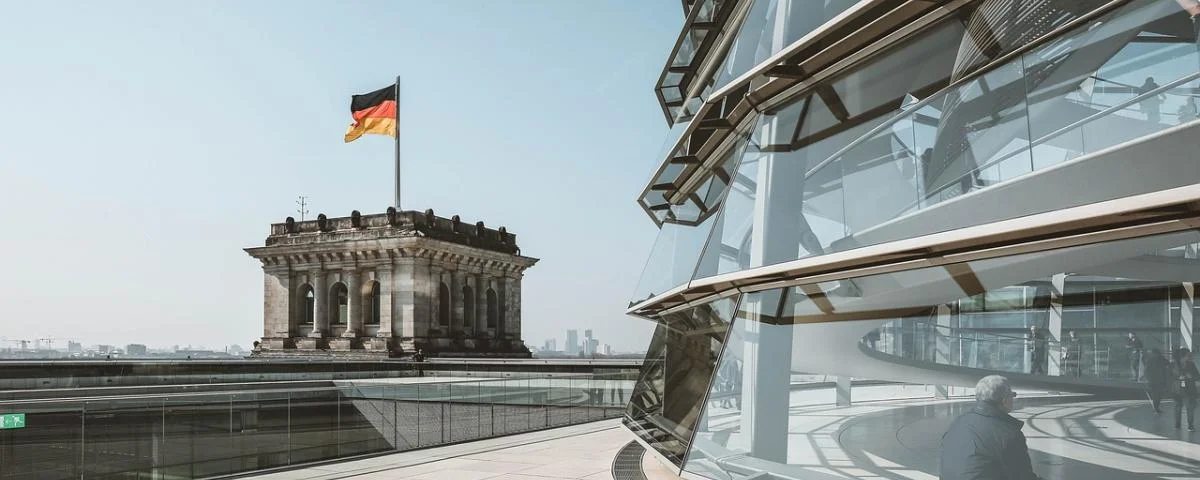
[[211, 435]]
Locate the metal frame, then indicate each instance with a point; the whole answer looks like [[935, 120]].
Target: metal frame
[[742, 109], [1147, 214], [695, 68], [783, 88]]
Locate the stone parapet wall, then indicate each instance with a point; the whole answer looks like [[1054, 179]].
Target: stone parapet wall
[[392, 224]]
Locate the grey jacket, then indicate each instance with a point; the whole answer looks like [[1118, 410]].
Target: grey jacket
[[985, 444]]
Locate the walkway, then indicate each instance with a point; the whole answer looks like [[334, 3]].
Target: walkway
[[575, 452]]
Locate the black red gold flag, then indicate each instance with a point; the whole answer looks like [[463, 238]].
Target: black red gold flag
[[373, 113]]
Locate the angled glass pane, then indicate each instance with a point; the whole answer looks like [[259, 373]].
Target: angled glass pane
[[668, 395], [680, 241], [770, 26]]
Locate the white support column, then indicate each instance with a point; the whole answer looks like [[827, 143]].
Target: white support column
[[1187, 315], [944, 347], [766, 377], [779, 234], [843, 391], [353, 304], [1054, 331]]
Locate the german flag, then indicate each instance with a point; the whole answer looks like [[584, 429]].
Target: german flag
[[373, 112]]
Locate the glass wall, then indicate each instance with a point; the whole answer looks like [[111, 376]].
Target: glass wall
[[860, 159], [861, 377]]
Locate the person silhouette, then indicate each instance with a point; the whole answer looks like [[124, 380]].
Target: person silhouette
[[1152, 104]]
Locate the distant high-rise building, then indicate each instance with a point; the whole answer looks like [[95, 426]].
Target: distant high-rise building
[[551, 345], [104, 348], [74, 347], [589, 343], [607, 349], [573, 342], [135, 349]]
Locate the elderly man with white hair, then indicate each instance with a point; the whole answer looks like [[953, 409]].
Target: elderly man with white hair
[[986, 443]]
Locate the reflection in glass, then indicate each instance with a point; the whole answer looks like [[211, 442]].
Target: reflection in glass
[[770, 26], [775, 405], [677, 250], [667, 397], [833, 170]]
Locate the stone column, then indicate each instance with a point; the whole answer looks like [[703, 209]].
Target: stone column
[[512, 325], [1058, 284], [457, 312], [418, 296], [481, 287], [437, 275], [506, 299], [385, 275], [278, 299], [320, 304], [353, 303], [501, 304]]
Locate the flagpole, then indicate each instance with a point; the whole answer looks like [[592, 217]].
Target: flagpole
[[397, 143]]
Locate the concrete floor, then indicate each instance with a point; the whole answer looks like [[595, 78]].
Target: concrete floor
[[892, 433], [575, 452]]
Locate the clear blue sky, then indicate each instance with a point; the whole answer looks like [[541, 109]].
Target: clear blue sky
[[144, 144]]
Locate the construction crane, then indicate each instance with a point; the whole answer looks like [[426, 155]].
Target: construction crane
[[16, 341]]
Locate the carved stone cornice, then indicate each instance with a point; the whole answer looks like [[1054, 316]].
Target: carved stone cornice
[[340, 254]]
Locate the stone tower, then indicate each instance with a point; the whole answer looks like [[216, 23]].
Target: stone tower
[[388, 284]]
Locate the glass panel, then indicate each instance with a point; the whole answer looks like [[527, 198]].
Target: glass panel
[[873, 376], [431, 413], [771, 25], [407, 405], [314, 425], [366, 422], [667, 397], [196, 435], [260, 421], [49, 446], [119, 439], [676, 252]]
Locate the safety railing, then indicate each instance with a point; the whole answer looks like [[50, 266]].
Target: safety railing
[[1041, 109], [199, 435], [927, 342]]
